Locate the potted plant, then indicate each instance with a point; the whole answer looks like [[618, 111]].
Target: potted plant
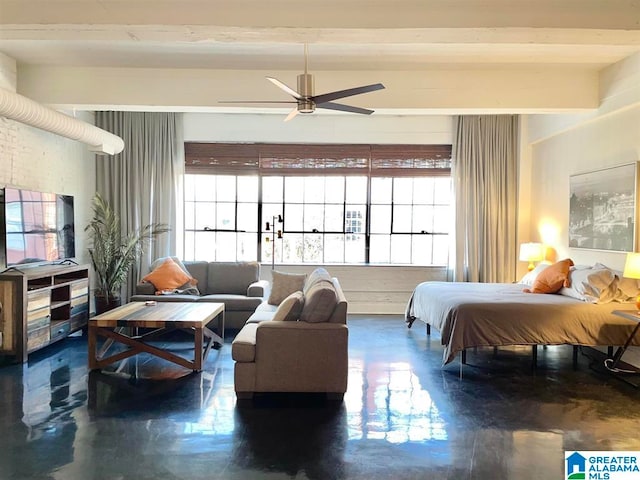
[[112, 253]]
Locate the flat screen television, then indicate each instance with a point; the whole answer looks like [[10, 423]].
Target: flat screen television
[[37, 227]]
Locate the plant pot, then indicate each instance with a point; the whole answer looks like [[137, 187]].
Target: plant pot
[[104, 304]]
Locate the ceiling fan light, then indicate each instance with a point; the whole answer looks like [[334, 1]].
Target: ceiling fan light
[[306, 106]]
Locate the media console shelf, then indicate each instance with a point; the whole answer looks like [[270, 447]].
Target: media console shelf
[[41, 305]]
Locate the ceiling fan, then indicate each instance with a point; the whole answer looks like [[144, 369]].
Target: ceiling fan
[[307, 102]]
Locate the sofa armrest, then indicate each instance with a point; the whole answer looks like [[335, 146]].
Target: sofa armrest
[[259, 289], [145, 288]]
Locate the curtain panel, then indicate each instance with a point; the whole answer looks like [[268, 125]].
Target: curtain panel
[[142, 183], [485, 182]]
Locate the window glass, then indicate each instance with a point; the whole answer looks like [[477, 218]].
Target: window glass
[[380, 219], [381, 190], [403, 190], [333, 218], [334, 190], [294, 189], [225, 188], [356, 189], [248, 189], [272, 189], [293, 217], [314, 189], [327, 218]]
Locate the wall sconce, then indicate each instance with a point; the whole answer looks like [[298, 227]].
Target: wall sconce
[[275, 234], [531, 252]]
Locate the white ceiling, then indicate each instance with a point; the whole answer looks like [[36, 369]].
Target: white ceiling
[[358, 39]]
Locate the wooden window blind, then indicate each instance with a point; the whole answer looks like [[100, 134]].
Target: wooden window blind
[[317, 159]]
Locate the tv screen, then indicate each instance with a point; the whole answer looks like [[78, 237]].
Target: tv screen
[[38, 227]]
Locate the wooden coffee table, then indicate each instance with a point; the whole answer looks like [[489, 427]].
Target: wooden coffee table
[[121, 324]]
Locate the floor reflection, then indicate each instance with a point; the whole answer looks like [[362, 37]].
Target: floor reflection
[[403, 417]]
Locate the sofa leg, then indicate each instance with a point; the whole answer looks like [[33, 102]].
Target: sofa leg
[[335, 397], [244, 395]]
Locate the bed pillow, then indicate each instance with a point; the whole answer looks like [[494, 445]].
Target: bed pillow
[[290, 308], [552, 278], [531, 276], [593, 285]]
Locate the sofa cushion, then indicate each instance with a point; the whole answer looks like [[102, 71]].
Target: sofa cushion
[[243, 348], [319, 302], [233, 302], [318, 275], [290, 308], [284, 284], [231, 277], [168, 275]]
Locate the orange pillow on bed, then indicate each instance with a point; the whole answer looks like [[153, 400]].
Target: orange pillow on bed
[[552, 278]]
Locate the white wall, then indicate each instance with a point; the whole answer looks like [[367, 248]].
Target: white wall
[[318, 128], [38, 160], [563, 145], [609, 141], [568, 144], [369, 289]]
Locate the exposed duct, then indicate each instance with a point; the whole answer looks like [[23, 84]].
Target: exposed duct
[[24, 110]]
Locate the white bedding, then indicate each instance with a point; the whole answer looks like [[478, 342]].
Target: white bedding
[[495, 314]]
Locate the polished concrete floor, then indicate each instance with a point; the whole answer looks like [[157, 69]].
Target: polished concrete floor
[[404, 416]]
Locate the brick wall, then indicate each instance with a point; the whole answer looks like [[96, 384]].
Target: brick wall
[[34, 159]]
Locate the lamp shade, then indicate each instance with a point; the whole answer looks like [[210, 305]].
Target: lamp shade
[[531, 252], [632, 266]]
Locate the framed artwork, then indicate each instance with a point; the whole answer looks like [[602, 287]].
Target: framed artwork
[[602, 209]]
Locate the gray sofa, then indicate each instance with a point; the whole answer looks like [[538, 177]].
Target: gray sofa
[[296, 355], [236, 284]]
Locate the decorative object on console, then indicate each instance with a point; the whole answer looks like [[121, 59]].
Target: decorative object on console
[[531, 252], [632, 270], [113, 253], [271, 227]]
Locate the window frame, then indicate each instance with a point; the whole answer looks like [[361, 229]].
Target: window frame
[[306, 160]]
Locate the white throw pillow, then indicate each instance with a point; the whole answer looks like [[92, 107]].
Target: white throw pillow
[[290, 308], [531, 276], [597, 284], [284, 284]]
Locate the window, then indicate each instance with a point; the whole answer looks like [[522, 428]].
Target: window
[[338, 203]]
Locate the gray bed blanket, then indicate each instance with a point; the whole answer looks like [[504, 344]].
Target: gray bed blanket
[[498, 314]]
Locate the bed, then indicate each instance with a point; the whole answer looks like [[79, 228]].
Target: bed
[[500, 314]]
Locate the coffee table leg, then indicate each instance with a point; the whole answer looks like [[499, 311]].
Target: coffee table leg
[[92, 347], [198, 350]]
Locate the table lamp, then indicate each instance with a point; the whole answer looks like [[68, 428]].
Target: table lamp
[[531, 252], [632, 270]]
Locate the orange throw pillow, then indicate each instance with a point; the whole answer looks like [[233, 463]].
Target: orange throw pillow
[[552, 278], [167, 276]]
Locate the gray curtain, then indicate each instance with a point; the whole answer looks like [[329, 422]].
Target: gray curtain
[[142, 182], [485, 182]]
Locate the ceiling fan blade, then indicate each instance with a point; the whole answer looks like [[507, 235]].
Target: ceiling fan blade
[[258, 101], [328, 97], [344, 108], [284, 87], [292, 114]]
